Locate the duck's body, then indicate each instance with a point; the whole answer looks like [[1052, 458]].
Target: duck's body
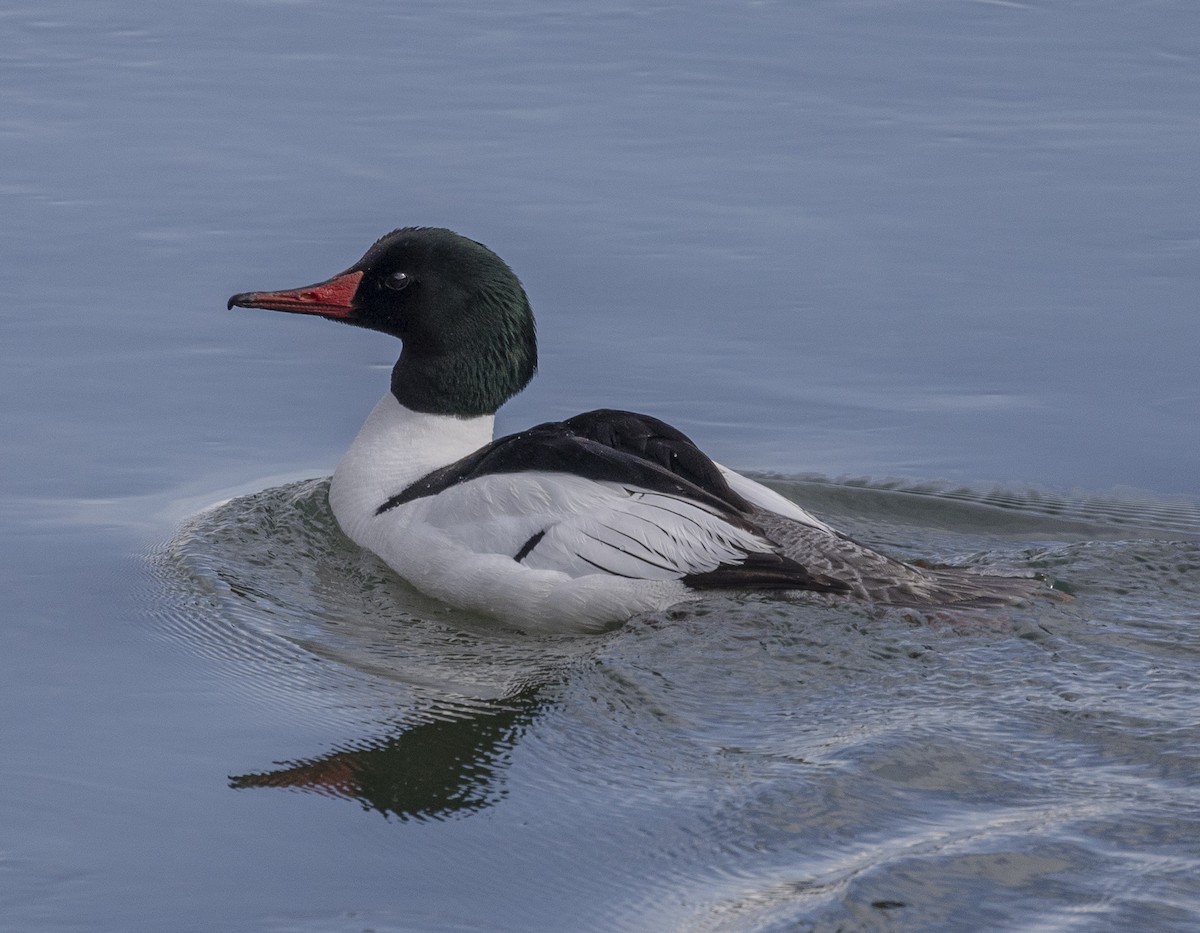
[[505, 528], [571, 525]]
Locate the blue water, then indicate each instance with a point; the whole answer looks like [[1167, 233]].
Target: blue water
[[932, 265]]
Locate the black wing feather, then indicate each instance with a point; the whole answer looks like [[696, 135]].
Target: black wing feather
[[765, 571], [657, 442]]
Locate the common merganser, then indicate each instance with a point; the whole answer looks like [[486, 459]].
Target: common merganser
[[572, 525]]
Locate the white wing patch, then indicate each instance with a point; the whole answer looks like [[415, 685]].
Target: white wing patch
[[643, 536], [584, 527]]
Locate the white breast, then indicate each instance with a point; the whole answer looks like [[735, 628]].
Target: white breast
[[395, 447]]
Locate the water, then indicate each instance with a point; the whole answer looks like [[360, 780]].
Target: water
[[932, 266]]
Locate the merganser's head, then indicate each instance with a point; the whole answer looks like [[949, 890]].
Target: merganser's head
[[466, 324]]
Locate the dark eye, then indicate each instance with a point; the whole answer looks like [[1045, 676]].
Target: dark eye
[[397, 281]]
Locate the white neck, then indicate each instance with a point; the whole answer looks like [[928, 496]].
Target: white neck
[[395, 447]]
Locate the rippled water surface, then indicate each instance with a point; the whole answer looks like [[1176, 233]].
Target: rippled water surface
[[747, 764], [931, 267]]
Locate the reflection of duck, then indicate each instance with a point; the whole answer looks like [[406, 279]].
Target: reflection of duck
[[569, 525], [436, 769]]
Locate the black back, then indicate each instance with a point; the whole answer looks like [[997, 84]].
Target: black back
[[606, 444]]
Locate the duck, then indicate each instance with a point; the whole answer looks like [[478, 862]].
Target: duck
[[568, 526]]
